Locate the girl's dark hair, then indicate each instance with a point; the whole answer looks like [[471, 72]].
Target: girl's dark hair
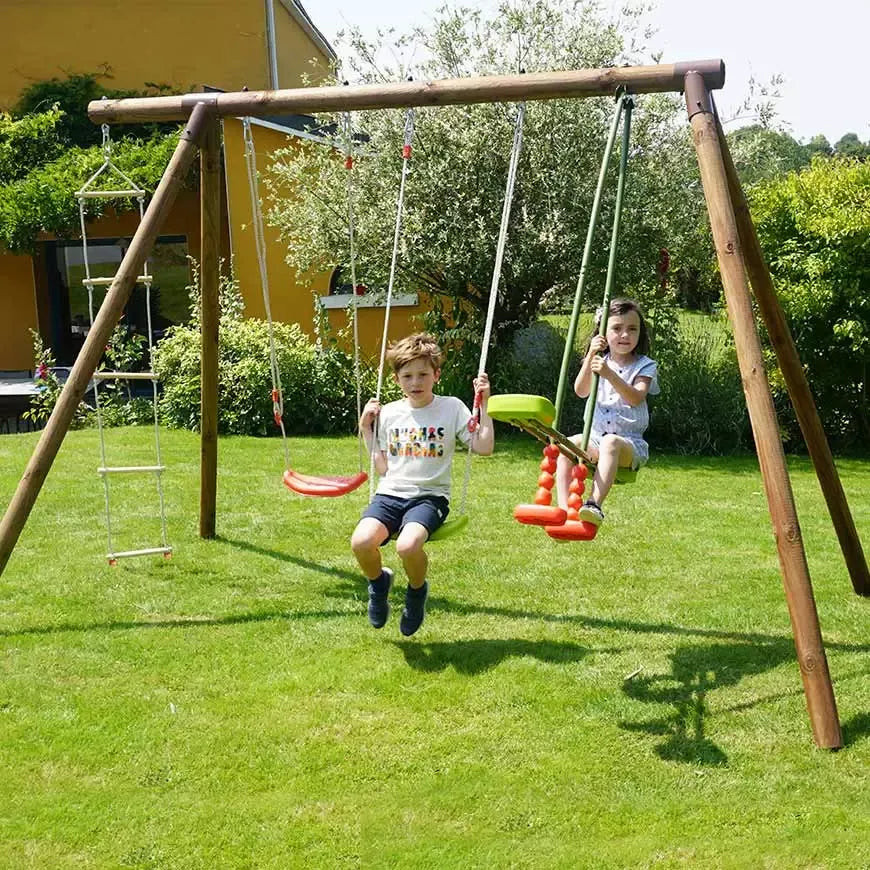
[[623, 306]]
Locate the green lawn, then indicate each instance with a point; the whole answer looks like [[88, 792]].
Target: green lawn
[[231, 707]]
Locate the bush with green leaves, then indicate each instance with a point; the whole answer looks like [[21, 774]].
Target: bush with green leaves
[[814, 227], [28, 142], [71, 95], [43, 200], [47, 384], [317, 379], [701, 408], [46, 154], [48, 388]]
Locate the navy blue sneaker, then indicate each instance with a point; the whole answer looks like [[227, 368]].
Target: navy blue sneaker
[[414, 609], [379, 598]]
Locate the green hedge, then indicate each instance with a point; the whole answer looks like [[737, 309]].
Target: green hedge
[[318, 384], [700, 410]]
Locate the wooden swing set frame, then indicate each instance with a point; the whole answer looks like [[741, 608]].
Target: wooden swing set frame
[[737, 248]]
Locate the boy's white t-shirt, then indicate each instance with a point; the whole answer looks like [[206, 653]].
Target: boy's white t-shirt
[[419, 444]]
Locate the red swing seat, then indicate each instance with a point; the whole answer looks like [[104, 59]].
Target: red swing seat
[[325, 485]]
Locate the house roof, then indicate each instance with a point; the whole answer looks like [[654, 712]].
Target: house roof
[[303, 19]]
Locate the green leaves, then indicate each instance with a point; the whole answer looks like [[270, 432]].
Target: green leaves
[[47, 154], [42, 198], [27, 142], [814, 226], [455, 190]]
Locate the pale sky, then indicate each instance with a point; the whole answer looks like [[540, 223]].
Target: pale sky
[[817, 48]]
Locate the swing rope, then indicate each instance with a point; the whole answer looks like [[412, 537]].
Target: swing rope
[[260, 245], [624, 103], [317, 485], [348, 165], [473, 423], [516, 149], [407, 141], [589, 412]]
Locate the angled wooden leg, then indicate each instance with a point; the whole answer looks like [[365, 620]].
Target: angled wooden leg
[[792, 557]]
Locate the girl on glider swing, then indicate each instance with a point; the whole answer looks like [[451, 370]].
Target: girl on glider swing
[[626, 377]]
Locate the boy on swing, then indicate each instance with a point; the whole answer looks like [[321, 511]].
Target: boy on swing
[[416, 439]]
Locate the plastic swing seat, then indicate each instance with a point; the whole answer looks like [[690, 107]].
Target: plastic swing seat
[[324, 486], [535, 415], [572, 530], [540, 514], [519, 407], [450, 528]]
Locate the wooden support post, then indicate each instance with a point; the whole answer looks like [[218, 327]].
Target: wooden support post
[[209, 276], [795, 379], [95, 344], [793, 564]]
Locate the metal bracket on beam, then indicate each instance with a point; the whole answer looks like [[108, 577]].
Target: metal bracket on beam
[[697, 95], [209, 98]]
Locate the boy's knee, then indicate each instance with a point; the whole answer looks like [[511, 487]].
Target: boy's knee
[[408, 545], [362, 539]]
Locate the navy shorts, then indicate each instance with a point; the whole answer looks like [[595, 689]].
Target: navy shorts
[[395, 513]]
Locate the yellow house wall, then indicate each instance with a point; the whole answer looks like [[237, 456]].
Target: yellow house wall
[[183, 219], [17, 311], [295, 51], [291, 296], [184, 44]]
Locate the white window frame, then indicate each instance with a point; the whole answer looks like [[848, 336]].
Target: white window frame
[[344, 300]]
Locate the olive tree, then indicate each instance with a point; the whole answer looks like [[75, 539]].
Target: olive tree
[[460, 157]]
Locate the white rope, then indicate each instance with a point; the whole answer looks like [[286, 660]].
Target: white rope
[[108, 167], [87, 191], [502, 235], [260, 244], [516, 148], [406, 161], [348, 164]]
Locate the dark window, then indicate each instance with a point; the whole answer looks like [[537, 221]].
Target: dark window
[[168, 264]]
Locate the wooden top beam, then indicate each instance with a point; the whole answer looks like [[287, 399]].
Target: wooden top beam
[[483, 89]]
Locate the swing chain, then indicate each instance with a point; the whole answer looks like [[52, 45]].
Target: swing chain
[[107, 142], [408, 135]]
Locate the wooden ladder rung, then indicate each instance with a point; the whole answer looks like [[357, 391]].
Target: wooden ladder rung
[[106, 282], [125, 376], [130, 469], [109, 194], [148, 551]]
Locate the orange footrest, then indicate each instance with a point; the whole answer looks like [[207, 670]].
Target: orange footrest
[[540, 514], [573, 530]]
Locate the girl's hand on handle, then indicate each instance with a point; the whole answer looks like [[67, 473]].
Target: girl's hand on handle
[[599, 366], [598, 345]]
